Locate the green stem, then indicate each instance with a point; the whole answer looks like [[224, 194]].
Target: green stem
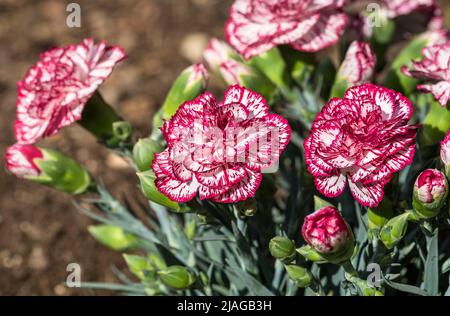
[[349, 268], [101, 120]]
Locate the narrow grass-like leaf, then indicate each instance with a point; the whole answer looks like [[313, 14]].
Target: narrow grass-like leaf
[[431, 275], [405, 288]]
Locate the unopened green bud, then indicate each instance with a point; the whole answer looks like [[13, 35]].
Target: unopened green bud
[[394, 230], [282, 248], [139, 266], [113, 237], [177, 277], [121, 132], [299, 275]]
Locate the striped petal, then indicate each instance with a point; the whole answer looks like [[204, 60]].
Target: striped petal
[[254, 102], [331, 186], [369, 195], [242, 190], [221, 177]]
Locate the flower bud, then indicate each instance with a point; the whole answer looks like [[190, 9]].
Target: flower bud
[[282, 248], [177, 277], [299, 275], [327, 232], [140, 266], [143, 153], [217, 52], [189, 84], [394, 230], [430, 193], [248, 207], [445, 154], [222, 59], [357, 67], [113, 237], [47, 167]]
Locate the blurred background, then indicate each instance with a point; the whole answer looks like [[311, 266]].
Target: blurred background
[[40, 229], [41, 232]]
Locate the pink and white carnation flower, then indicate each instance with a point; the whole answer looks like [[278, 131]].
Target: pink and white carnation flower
[[435, 69], [20, 160], [362, 139], [359, 63], [255, 26], [219, 149], [55, 90]]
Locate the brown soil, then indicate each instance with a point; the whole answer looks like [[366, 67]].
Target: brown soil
[[40, 229]]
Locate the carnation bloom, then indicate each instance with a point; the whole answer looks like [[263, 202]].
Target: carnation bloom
[[255, 26], [219, 150], [359, 63], [363, 138], [434, 68], [326, 231], [55, 90], [430, 193], [20, 160]]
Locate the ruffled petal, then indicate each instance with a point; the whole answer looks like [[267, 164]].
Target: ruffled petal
[[242, 190], [255, 103], [221, 177], [369, 195], [331, 186], [326, 32], [440, 91]]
